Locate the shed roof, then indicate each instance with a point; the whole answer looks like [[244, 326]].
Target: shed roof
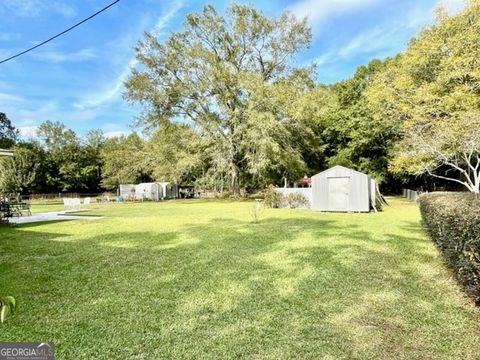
[[332, 169]]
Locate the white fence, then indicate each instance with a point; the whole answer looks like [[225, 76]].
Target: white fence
[[411, 195], [306, 192]]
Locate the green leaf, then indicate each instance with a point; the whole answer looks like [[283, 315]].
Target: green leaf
[[10, 300], [4, 312]]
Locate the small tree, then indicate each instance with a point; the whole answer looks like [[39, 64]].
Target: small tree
[[18, 173]]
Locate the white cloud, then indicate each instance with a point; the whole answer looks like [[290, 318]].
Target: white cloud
[[383, 39], [164, 19], [112, 134], [28, 132], [34, 8], [60, 57], [26, 118], [374, 40], [113, 91], [114, 130], [377, 42], [9, 98], [318, 10]]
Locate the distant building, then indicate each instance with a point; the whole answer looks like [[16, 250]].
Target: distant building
[[303, 182], [155, 191]]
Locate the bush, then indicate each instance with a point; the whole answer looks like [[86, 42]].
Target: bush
[[295, 200], [223, 195], [453, 222], [272, 198]]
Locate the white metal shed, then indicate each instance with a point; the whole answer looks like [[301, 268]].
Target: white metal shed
[[341, 189]]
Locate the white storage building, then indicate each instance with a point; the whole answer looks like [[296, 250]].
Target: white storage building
[[342, 189]]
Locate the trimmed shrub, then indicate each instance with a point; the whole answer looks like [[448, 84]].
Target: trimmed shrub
[[295, 200], [272, 198], [453, 222]]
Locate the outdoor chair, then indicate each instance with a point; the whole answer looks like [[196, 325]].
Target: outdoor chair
[[67, 203], [23, 209], [71, 203], [5, 211]]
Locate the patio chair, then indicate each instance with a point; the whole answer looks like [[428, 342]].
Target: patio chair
[[67, 203]]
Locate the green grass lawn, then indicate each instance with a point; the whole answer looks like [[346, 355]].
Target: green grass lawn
[[38, 206], [196, 279]]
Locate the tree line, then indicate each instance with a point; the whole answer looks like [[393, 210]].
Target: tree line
[[226, 108]]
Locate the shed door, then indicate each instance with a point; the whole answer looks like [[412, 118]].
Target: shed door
[[338, 191]]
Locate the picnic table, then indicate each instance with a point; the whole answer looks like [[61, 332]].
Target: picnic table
[[15, 209]]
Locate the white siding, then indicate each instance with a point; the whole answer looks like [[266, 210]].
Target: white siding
[[126, 190], [149, 191]]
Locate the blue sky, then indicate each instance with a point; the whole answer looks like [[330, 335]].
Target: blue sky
[[78, 78]]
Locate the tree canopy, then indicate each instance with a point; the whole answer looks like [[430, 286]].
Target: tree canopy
[[227, 76], [432, 93], [8, 133]]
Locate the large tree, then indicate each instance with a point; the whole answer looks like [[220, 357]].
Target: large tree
[[355, 138], [92, 147], [70, 164], [175, 153], [8, 133], [220, 74], [432, 92], [125, 161]]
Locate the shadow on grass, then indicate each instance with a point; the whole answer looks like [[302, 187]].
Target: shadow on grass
[[283, 288], [37, 223]]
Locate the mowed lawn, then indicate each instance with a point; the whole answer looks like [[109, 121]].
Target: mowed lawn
[[196, 279]]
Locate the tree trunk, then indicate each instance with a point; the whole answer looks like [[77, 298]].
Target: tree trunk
[[234, 176], [234, 167], [476, 188], [476, 179]]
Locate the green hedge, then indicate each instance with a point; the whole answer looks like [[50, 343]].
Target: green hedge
[[453, 222]]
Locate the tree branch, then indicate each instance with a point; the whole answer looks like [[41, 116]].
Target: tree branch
[[470, 188]]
